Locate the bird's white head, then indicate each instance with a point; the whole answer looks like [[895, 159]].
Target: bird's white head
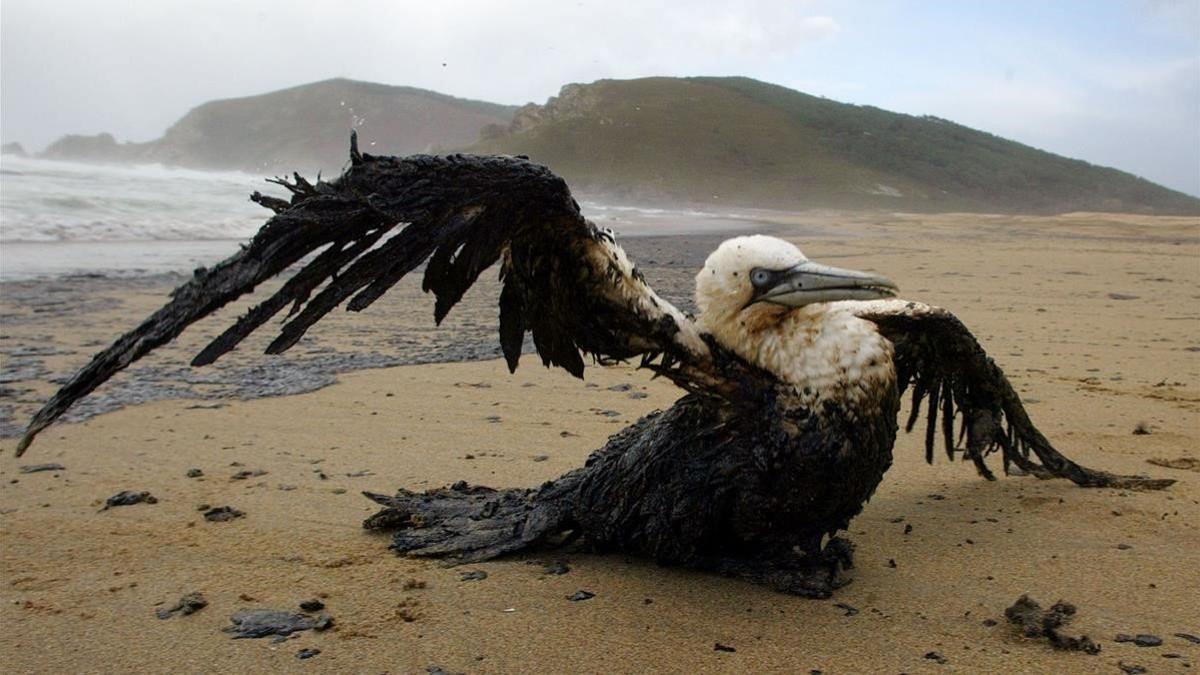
[[761, 272]]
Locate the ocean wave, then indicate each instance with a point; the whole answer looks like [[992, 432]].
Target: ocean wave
[[47, 201], [60, 218]]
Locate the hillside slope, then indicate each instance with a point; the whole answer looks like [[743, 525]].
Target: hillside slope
[[740, 141], [304, 128]]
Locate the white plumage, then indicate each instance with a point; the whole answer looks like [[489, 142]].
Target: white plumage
[[823, 349]]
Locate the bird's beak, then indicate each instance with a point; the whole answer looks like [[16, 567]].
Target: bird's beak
[[811, 282]]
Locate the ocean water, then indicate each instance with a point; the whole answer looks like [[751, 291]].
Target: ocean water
[[66, 218]]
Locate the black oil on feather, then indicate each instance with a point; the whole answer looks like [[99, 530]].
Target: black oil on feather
[[736, 477]]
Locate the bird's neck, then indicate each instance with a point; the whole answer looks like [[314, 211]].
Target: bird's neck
[[821, 348]]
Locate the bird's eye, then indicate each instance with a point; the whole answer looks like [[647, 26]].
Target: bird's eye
[[760, 277]]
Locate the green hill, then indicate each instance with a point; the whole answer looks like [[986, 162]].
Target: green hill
[[702, 140], [303, 128], [740, 141]]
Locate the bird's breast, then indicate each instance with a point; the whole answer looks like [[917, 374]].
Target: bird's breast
[[825, 358]]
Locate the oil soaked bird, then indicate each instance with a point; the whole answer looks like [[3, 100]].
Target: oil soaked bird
[[793, 371]]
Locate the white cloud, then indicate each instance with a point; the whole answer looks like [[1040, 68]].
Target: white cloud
[[134, 70], [736, 31], [1142, 119]]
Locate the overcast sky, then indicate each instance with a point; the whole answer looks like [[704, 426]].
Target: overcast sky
[[1113, 82]]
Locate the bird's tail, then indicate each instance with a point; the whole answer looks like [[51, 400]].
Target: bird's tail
[[469, 523]]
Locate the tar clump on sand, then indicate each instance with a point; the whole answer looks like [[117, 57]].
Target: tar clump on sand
[[221, 514], [259, 623], [190, 603], [1036, 622], [129, 498], [1141, 639], [937, 656], [38, 468]]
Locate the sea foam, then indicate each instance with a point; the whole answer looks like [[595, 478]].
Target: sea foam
[[51, 201]]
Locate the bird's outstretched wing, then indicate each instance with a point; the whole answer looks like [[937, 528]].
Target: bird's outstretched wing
[[954, 378], [565, 281]]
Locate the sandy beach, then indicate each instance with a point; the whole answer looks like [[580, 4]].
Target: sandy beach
[[1094, 317]]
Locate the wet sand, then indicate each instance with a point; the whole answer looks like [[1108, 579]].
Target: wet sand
[[1050, 298]]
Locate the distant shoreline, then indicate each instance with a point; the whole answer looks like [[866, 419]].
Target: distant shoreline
[[70, 218]]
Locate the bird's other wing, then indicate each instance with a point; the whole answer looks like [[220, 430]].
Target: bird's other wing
[[564, 280], [951, 374]]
